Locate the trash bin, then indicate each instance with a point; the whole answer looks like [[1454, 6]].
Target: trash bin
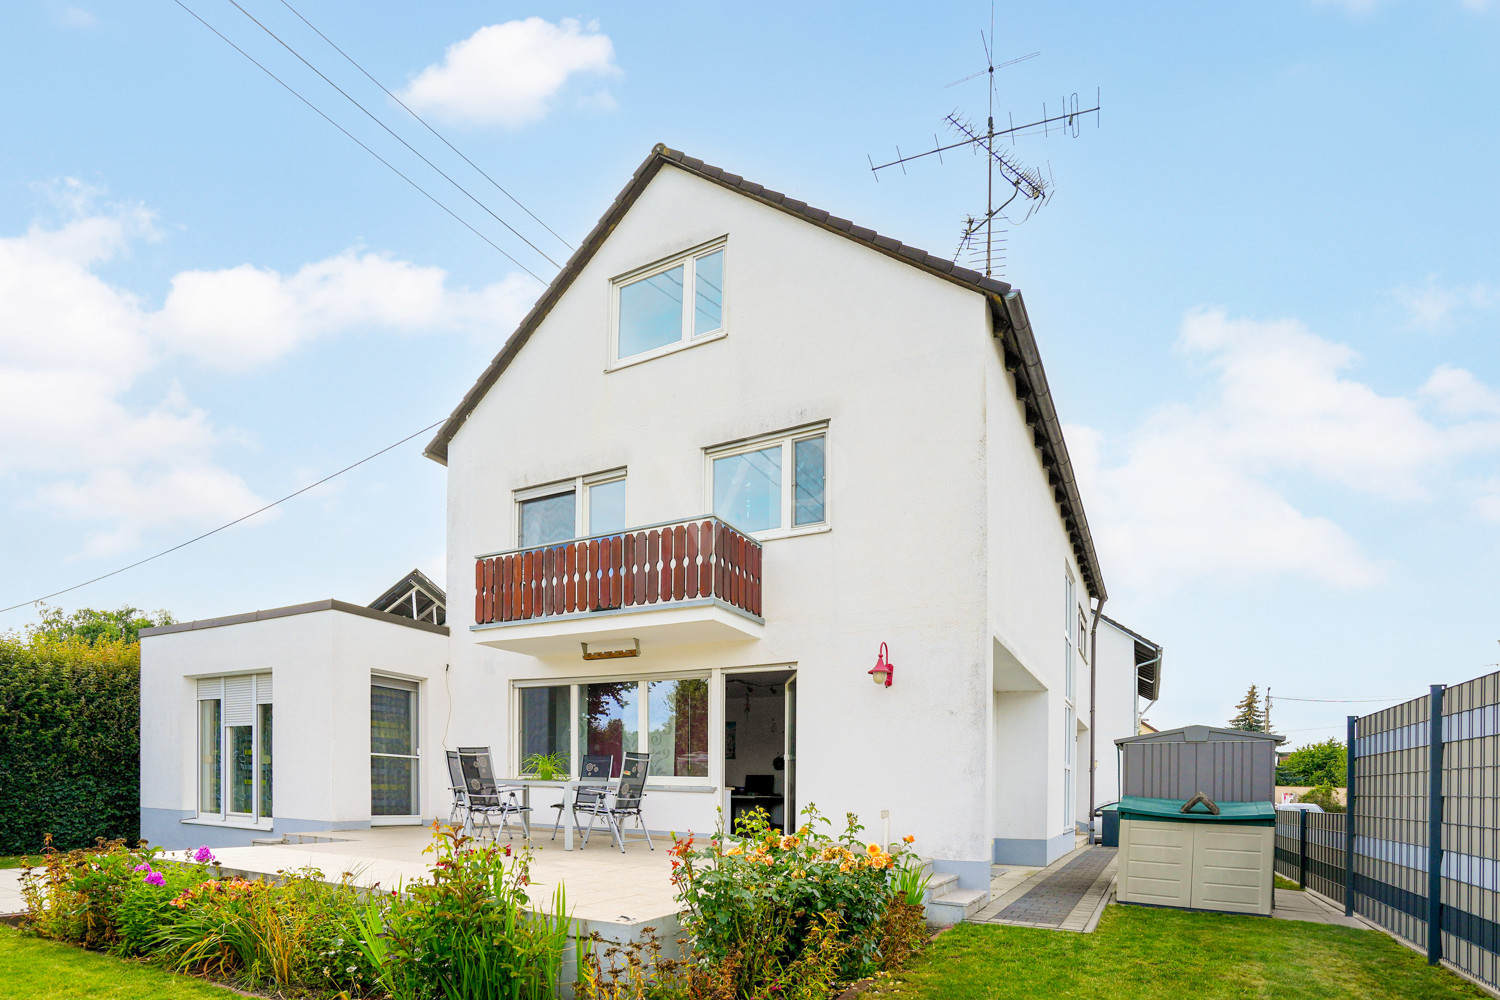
[[1197, 854], [1109, 818]]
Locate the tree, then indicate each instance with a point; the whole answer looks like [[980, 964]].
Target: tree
[[1323, 797], [124, 624], [1315, 764], [1249, 717]]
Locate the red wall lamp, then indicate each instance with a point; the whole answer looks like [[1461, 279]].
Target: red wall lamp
[[884, 670]]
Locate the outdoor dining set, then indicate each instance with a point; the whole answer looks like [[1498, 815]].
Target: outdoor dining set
[[482, 804]]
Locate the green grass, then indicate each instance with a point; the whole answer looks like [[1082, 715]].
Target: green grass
[[33, 969], [19, 860], [1288, 884], [1158, 954]]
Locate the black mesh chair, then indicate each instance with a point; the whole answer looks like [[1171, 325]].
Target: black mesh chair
[[458, 812], [486, 800], [593, 786], [627, 802]]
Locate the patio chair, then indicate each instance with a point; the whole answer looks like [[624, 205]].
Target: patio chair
[[458, 812], [486, 799], [596, 770], [627, 802]]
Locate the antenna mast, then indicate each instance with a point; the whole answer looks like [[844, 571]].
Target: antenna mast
[[1027, 183]]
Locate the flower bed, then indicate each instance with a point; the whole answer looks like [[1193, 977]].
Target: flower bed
[[781, 916], [466, 933]]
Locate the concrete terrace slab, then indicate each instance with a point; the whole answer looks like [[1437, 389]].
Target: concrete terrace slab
[[602, 885], [10, 891], [1310, 908], [1068, 894]]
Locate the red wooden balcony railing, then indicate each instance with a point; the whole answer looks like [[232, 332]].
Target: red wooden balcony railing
[[681, 561]]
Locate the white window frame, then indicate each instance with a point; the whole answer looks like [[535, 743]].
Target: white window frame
[[787, 439], [580, 486], [1070, 709], [261, 694], [414, 685], [688, 260], [643, 705]]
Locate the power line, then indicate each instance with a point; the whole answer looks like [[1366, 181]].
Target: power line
[[1336, 701], [361, 145], [371, 115], [190, 541], [425, 125]]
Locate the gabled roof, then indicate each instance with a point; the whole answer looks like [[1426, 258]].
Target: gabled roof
[[1011, 326], [414, 596]]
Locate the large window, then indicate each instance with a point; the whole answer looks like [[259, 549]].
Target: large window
[[395, 748], [666, 718], [575, 508], [774, 485], [234, 748], [669, 305]]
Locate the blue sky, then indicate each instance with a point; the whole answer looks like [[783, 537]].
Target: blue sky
[[1265, 290]]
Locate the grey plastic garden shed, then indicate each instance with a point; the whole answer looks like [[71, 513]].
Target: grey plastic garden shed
[[1197, 824]]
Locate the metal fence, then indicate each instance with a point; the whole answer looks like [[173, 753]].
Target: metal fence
[[1421, 849], [1310, 850]]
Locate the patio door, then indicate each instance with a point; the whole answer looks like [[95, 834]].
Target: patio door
[[790, 754], [395, 749]]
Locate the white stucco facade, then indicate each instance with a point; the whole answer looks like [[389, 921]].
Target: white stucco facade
[[321, 660], [948, 533]]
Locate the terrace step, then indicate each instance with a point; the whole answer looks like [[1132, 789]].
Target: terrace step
[[939, 883], [955, 906], [295, 838]]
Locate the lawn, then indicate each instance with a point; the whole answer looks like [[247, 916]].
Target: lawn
[[19, 860], [1156, 954], [33, 969]]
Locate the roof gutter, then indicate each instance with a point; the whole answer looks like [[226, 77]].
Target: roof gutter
[[1024, 362]]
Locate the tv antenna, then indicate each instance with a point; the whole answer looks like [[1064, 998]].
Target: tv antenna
[[1027, 183]]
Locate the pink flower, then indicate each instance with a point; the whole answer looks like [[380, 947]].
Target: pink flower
[[143, 867], [156, 878], [204, 856]]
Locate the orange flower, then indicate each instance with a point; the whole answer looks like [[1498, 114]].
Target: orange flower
[[873, 849], [908, 838]]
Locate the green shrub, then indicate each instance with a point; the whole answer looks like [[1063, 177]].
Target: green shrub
[[468, 932], [790, 915], [1324, 797], [69, 741]]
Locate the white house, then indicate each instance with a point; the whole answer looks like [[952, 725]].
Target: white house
[[738, 450]]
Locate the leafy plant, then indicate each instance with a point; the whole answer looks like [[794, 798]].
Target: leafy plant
[[546, 766], [469, 932], [758, 905], [1323, 796]]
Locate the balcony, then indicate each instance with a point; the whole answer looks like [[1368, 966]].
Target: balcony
[[690, 581]]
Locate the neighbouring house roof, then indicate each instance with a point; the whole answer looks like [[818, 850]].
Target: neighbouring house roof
[[415, 596], [295, 609], [1147, 662], [1011, 326]]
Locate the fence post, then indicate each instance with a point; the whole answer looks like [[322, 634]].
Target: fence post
[[1302, 853], [1349, 757], [1435, 829]]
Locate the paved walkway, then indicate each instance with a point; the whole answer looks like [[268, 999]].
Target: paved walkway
[[1067, 895], [1291, 904], [10, 891]]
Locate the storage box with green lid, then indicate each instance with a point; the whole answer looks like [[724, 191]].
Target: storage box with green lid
[[1197, 854]]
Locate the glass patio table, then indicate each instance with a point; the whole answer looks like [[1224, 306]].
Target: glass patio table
[[569, 787]]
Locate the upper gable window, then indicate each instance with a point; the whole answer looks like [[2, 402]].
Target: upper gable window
[[669, 305]]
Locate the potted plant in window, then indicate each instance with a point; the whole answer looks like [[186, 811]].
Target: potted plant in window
[[546, 766]]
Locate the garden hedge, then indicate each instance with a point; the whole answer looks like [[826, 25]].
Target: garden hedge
[[69, 742]]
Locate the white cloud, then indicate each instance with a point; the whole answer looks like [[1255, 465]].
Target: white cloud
[[1433, 306], [72, 17], [81, 436], [509, 74], [1198, 490], [1487, 504]]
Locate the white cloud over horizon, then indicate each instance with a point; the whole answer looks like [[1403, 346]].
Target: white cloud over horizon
[[76, 435], [510, 74], [1199, 489]]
